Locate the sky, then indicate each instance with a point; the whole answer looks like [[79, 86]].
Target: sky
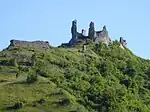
[[50, 20]]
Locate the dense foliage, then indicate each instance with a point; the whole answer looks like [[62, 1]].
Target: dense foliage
[[103, 79]]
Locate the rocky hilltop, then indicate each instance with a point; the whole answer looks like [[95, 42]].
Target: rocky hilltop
[[37, 44], [77, 37]]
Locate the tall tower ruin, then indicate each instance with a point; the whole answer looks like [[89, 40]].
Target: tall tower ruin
[[91, 33], [74, 32]]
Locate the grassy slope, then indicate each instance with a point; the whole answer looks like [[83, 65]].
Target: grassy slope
[[100, 80]]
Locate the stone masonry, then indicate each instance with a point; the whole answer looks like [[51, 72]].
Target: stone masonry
[[91, 30], [123, 42], [96, 36], [73, 32], [37, 44], [102, 36]]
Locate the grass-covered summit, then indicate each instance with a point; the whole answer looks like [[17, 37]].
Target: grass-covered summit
[[103, 79]]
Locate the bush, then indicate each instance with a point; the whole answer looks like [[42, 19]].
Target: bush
[[4, 62], [1, 68], [33, 60], [31, 78], [16, 106], [64, 102], [41, 101], [23, 68], [3, 80], [42, 73]]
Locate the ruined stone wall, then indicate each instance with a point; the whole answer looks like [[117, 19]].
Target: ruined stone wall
[[83, 32], [123, 42], [102, 36], [38, 44]]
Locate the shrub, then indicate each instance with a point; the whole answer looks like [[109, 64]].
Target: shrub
[[0, 68], [42, 72], [41, 101], [64, 102], [4, 62], [23, 68], [3, 80], [16, 106], [31, 78]]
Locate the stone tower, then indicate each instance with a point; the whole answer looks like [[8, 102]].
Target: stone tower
[[91, 30], [74, 32], [105, 30], [83, 32], [123, 42]]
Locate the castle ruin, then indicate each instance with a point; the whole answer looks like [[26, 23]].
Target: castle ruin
[[96, 36], [77, 37], [28, 44]]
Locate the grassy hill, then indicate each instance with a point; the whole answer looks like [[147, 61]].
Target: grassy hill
[[66, 80]]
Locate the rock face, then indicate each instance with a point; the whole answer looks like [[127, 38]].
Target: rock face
[[38, 44]]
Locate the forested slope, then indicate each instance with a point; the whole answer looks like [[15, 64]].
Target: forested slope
[[103, 79]]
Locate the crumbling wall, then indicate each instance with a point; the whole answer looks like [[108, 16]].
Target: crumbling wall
[[102, 36], [123, 42], [38, 44]]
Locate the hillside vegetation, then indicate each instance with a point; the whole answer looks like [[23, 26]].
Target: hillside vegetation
[[103, 79]]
